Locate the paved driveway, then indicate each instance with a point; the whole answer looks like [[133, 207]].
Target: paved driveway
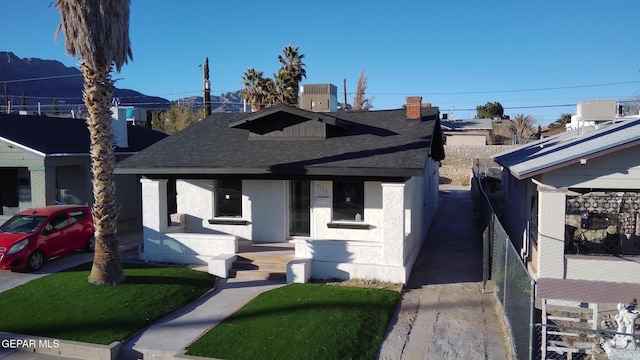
[[11, 279]]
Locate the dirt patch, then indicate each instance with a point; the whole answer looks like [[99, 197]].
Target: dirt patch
[[372, 284]]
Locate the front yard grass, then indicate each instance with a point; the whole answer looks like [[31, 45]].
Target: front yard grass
[[65, 306], [303, 321]]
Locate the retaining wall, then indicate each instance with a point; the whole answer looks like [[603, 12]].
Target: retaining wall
[[459, 160]]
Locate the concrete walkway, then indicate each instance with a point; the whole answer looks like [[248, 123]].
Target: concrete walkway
[[173, 334], [444, 314]]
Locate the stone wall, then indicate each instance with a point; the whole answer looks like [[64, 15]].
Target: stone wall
[[460, 159]]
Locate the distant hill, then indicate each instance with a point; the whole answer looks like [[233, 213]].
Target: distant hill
[[50, 81], [226, 102], [56, 82], [63, 85]]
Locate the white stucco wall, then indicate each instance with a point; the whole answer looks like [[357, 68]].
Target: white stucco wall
[[267, 201], [322, 200], [603, 268], [187, 248], [195, 198], [619, 170], [386, 250], [551, 220]]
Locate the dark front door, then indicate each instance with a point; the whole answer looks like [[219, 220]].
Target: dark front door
[[299, 208]]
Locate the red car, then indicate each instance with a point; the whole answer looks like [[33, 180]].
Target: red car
[[33, 236]]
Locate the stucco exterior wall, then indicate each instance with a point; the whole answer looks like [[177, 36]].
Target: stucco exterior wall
[[322, 200], [603, 268], [551, 221], [195, 198], [385, 249], [267, 203], [619, 170], [462, 140]]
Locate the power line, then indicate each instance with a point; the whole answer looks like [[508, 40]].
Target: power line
[[508, 91], [40, 78]]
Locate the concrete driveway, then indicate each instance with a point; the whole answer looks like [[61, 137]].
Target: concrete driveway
[[11, 279]]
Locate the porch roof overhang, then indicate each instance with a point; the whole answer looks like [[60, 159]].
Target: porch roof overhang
[[273, 171]]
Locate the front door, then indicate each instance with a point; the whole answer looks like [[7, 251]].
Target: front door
[[299, 208]]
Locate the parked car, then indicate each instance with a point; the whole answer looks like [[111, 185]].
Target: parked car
[[33, 236]]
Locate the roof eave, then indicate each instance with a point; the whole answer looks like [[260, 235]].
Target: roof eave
[[576, 160], [311, 171]]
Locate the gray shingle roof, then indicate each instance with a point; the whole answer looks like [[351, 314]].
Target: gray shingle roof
[[569, 148], [59, 136], [368, 143]]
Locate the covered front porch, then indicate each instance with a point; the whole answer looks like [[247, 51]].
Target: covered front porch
[[382, 247]]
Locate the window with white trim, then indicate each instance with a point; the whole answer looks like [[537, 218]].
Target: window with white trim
[[348, 200], [228, 198]]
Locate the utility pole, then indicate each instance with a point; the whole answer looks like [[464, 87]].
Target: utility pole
[[207, 89], [6, 98], [345, 94]]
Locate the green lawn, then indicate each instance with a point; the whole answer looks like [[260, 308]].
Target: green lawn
[[65, 306], [303, 321]]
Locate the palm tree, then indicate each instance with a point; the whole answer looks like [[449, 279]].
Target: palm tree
[[254, 88], [292, 71], [562, 121], [261, 92], [97, 31], [523, 128]]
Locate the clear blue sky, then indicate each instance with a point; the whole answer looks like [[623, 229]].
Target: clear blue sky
[[528, 55]]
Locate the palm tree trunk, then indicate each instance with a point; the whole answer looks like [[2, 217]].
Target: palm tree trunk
[[98, 88]]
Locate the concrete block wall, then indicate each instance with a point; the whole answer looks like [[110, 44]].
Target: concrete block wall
[[459, 159]]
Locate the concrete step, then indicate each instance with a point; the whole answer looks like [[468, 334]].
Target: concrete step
[[257, 275], [247, 264], [267, 257]]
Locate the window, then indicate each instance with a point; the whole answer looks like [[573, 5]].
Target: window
[[77, 216], [58, 222], [228, 198], [348, 200]]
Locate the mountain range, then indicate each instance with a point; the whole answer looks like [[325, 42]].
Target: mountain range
[[33, 83]]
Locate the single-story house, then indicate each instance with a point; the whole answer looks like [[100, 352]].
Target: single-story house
[[354, 191], [467, 131], [572, 208], [45, 160]]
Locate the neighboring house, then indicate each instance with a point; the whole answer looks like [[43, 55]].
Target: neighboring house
[[467, 131], [354, 191], [45, 160], [572, 207]]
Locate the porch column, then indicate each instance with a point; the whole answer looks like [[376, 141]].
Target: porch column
[[551, 224], [393, 228], [154, 205], [43, 185]]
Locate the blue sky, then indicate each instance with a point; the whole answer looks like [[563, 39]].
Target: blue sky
[[531, 56]]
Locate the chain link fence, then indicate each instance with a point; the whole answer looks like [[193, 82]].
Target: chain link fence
[[512, 284]]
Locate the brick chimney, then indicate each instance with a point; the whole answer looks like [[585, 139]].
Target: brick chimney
[[414, 104]]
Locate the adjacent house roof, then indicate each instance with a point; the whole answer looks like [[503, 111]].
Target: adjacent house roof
[[287, 141], [569, 148], [53, 136], [467, 125]]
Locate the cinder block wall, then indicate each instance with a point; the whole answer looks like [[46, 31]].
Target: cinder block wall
[[459, 160]]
